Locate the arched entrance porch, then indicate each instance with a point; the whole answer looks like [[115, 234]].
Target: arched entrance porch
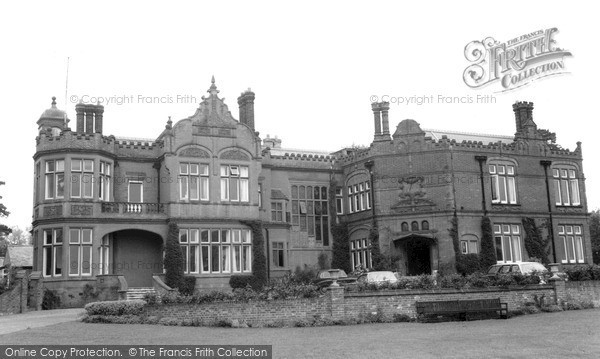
[[136, 255], [417, 251]]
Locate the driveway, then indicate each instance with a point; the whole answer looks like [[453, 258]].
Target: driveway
[[17, 322]]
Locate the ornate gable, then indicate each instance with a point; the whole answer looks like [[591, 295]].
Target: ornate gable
[[213, 112]]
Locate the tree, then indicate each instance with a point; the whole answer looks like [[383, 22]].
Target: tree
[[259, 260], [535, 244], [487, 255], [340, 258], [19, 236], [595, 235], [173, 262]]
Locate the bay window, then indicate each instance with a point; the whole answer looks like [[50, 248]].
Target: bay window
[[55, 179]]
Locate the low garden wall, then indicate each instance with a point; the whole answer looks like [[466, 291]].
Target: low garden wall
[[24, 294], [337, 305]]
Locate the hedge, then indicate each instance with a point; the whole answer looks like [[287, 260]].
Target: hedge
[[117, 307]]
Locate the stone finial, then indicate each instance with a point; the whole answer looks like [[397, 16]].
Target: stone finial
[[213, 88], [53, 101], [169, 124]]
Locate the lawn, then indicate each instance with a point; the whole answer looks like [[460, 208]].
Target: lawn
[[549, 335]]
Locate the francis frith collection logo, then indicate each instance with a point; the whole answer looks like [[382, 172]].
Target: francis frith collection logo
[[516, 62]]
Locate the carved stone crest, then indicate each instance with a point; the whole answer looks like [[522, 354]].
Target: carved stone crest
[[194, 152], [235, 155]]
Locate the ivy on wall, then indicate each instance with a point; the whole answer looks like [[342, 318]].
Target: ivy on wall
[[173, 261], [487, 256], [259, 260], [339, 231]]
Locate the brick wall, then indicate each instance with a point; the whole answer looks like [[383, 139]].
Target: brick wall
[[339, 305]]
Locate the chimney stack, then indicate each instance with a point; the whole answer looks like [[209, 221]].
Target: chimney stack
[[89, 118], [523, 115], [382, 124], [246, 104]]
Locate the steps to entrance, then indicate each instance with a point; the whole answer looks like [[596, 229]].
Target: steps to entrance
[[138, 293]]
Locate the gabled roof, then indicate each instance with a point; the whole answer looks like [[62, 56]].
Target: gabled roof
[[278, 194], [19, 256]]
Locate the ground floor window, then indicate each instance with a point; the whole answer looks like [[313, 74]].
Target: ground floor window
[[278, 250], [53, 252], [104, 255], [80, 251], [507, 238], [572, 241], [360, 253], [216, 250], [468, 246]]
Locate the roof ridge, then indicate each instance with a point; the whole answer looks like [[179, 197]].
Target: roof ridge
[[467, 133]]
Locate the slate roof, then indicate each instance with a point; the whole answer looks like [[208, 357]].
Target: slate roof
[[19, 256], [467, 136]]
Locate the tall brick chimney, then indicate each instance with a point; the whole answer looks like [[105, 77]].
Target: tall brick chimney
[[381, 119], [89, 118], [246, 104], [523, 115]]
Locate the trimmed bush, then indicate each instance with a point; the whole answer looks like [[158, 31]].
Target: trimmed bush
[[583, 272], [303, 276], [51, 300], [468, 263], [535, 244], [487, 256], [173, 262], [187, 286], [244, 280], [259, 260], [117, 307]]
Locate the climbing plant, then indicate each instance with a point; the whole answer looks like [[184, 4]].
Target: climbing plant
[[487, 256], [535, 244]]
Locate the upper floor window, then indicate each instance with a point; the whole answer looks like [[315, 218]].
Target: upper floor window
[[572, 239], [359, 197], [82, 172], [135, 191], [234, 183], [104, 183], [425, 225], [55, 179], [310, 211], [193, 181], [404, 226], [507, 239], [414, 226], [277, 211], [503, 183], [566, 186], [339, 201]]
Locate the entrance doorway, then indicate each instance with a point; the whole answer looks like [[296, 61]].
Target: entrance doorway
[[418, 256], [137, 255]]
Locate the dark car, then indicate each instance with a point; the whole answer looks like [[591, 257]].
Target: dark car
[[325, 278]]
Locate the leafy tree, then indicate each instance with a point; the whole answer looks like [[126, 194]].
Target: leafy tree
[[19, 236], [595, 235], [339, 231], [378, 259], [173, 262], [259, 262], [487, 255], [535, 244]]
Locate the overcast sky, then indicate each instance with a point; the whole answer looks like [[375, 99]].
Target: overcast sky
[[314, 66]]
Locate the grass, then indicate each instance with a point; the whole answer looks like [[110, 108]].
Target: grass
[[548, 335]]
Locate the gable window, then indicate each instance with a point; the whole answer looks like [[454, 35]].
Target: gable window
[[507, 238], [503, 183], [80, 251], [104, 181], [193, 181], [572, 239], [53, 252], [310, 212], [566, 186], [277, 211], [82, 172], [234, 183], [360, 253], [278, 254], [55, 179]]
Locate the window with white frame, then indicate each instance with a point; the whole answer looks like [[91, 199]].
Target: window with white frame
[[503, 183], [103, 254], [278, 257], [55, 179], [310, 211], [359, 197], [104, 181], [339, 201], [234, 183], [82, 173], [566, 186], [135, 191], [193, 181], [216, 250], [53, 252], [360, 253], [572, 238], [277, 211], [507, 238], [469, 244], [260, 195], [80, 251]]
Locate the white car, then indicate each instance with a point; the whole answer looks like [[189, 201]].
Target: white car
[[378, 277]]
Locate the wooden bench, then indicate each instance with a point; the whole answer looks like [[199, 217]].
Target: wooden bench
[[463, 307]]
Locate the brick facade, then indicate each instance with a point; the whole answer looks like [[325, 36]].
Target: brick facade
[[82, 225]]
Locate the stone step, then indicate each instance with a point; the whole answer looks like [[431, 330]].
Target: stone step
[[138, 293]]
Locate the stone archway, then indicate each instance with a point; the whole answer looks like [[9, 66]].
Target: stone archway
[[136, 255]]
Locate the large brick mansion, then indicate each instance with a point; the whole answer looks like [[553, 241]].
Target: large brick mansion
[[102, 204]]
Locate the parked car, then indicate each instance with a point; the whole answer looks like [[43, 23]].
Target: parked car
[[378, 277], [525, 268], [325, 278]]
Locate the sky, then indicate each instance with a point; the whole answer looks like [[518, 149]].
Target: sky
[[315, 68]]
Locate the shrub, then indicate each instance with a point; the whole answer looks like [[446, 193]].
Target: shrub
[[303, 276], [339, 233], [455, 281], [535, 244], [51, 300], [259, 261], [478, 280], [173, 262], [583, 272], [117, 307], [187, 285], [487, 256], [402, 318], [244, 280], [551, 308], [468, 263]]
